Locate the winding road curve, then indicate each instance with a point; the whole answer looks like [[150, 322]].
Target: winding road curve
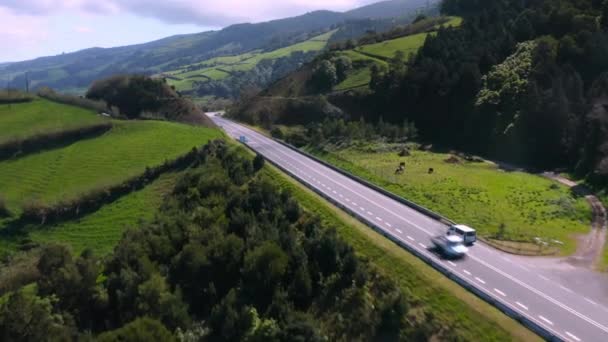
[[565, 302]]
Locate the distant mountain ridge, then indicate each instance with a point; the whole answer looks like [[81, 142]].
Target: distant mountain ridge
[[75, 71]]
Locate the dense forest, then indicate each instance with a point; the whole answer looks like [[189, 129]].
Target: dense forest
[[523, 81], [229, 257]]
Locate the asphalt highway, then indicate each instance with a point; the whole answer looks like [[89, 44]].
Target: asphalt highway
[[562, 311]]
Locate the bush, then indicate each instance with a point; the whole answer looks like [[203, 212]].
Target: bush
[[277, 133]]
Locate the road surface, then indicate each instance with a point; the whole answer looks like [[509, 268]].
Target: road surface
[[564, 312]]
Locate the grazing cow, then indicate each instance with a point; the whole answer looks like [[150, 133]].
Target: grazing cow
[[400, 169], [431, 171]]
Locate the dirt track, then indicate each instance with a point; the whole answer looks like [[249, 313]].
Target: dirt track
[[590, 246]]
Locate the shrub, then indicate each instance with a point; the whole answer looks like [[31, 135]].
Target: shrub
[[277, 133]]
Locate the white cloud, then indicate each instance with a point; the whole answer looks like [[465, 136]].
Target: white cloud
[[202, 12]]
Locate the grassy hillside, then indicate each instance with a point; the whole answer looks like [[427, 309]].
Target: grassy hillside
[[477, 194], [90, 164], [19, 121], [365, 56], [222, 67], [389, 48]]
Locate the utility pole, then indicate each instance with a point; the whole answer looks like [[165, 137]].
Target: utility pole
[[27, 82]]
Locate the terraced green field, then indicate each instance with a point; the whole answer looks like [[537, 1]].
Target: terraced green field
[[220, 67], [388, 48], [18, 121], [90, 164], [380, 52], [100, 231], [477, 194]]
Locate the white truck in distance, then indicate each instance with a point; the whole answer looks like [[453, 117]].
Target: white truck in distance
[[466, 233]]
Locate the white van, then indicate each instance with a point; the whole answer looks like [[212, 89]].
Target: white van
[[468, 234]]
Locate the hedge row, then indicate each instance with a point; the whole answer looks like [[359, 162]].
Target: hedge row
[[15, 100], [49, 140], [40, 213], [78, 101]]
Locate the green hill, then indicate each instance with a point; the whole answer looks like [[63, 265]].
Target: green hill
[[185, 78], [23, 120], [83, 167], [91, 164]]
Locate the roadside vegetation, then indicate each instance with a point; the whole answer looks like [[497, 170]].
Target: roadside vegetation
[[230, 256], [466, 316], [506, 206]]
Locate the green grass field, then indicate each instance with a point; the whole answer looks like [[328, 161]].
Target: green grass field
[[388, 48], [477, 194], [463, 314], [101, 230], [90, 164], [18, 121]]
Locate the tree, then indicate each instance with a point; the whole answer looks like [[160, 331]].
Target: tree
[[324, 76], [26, 317], [604, 17], [343, 65], [141, 329], [258, 162]]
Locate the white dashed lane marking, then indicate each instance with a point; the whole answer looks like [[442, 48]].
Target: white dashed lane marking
[[590, 301], [565, 289], [480, 280], [451, 263], [370, 213], [521, 306], [500, 292], [388, 224], [572, 336], [546, 320], [379, 219], [399, 231], [467, 272], [422, 245], [411, 238]]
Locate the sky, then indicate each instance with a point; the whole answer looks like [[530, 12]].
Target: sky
[[34, 28]]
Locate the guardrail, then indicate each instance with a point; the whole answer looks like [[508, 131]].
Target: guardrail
[[485, 296], [503, 307], [385, 192]]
